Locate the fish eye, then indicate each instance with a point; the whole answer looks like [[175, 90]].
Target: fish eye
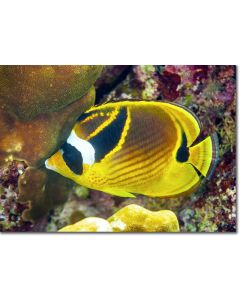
[[73, 158]]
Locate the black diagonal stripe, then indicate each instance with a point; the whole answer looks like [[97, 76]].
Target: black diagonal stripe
[[73, 158], [200, 175], [108, 138], [85, 115]]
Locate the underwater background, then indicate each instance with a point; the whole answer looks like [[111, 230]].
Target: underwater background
[[32, 199]]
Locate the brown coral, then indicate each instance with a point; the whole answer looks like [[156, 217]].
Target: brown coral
[[36, 139], [38, 108], [28, 91]]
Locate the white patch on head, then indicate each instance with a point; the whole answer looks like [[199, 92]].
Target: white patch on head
[[86, 149]]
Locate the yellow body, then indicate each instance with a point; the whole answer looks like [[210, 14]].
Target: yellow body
[[144, 158]]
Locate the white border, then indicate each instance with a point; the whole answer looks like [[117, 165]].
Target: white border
[[143, 266]]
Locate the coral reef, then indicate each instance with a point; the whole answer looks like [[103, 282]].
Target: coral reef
[[111, 77], [10, 209], [208, 91], [132, 218]]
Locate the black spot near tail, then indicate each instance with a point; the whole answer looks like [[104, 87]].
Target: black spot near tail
[[109, 137], [183, 151], [183, 155], [73, 158]]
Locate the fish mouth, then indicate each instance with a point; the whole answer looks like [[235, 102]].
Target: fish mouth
[[49, 166]]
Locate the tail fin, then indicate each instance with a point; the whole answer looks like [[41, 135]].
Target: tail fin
[[204, 155]]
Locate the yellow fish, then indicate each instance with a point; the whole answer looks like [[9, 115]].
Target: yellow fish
[[143, 147]]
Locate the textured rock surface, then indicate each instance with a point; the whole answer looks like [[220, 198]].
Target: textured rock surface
[[28, 91]]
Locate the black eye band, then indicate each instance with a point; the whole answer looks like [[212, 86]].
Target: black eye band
[[73, 158], [109, 137], [84, 116]]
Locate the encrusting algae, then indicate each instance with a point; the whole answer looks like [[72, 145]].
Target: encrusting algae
[[132, 218]]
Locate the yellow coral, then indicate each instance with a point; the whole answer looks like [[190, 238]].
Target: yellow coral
[[132, 218], [88, 225]]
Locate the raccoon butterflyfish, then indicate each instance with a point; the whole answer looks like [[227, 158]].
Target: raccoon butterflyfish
[[127, 148]]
